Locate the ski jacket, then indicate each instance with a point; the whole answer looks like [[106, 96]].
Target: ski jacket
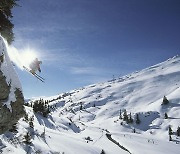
[[35, 65]]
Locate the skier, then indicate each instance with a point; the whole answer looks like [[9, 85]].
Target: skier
[[35, 66]]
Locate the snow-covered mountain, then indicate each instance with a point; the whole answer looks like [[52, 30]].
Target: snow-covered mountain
[[88, 120]]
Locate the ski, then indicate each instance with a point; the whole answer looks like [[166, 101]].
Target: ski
[[35, 74], [38, 77]]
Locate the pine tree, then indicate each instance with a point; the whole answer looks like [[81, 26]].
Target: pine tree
[[102, 152], [165, 116], [36, 107], [165, 101], [170, 138], [26, 118], [27, 138], [31, 104], [81, 107], [137, 119], [130, 118], [134, 130], [48, 109], [6, 26], [178, 131], [170, 130], [120, 114], [41, 107], [31, 124], [125, 116]]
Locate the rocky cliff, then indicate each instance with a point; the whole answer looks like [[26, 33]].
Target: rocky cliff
[[11, 97]]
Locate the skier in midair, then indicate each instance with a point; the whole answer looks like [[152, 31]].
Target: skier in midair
[[35, 66]]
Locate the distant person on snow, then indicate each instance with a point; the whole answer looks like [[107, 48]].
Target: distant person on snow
[[35, 66]]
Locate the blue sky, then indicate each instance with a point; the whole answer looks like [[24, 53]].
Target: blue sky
[[86, 41]]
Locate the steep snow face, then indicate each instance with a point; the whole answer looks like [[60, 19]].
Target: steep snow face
[[9, 72], [7, 67], [11, 97], [87, 120]]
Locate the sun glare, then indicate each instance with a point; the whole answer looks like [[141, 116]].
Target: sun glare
[[22, 57], [28, 55]]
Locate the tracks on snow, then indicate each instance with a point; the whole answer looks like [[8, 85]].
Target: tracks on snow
[[117, 143]]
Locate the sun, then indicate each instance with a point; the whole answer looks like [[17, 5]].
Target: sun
[[28, 55], [22, 57]]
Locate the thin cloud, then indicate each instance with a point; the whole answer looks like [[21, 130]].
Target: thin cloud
[[61, 57], [91, 71], [22, 57], [85, 70]]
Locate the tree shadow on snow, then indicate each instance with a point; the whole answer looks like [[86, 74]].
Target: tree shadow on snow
[[146, 120], [44, 121]]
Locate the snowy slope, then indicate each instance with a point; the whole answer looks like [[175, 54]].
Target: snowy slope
[[86, 120], [8, 71]]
